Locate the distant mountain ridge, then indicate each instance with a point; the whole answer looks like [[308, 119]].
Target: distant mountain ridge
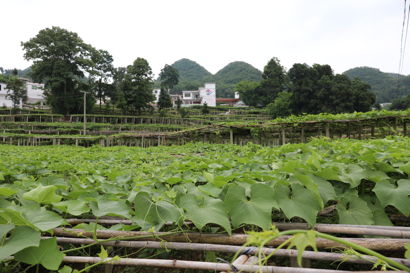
[[384, 84], [192, 75]]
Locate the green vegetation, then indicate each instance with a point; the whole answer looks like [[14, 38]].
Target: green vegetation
[[383, 84], [207, 184]]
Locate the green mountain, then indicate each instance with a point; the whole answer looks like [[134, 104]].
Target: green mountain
[[384, 85], [192, 76]]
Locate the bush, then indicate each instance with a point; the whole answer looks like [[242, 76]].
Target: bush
[[163, 113], [184, 112]]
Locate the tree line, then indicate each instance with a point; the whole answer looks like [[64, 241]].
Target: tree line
[[68, 65], [305, 90]]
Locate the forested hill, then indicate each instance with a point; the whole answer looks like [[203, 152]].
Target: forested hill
[[384, 85], [192, 76]]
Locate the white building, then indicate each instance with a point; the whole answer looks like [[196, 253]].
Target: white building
[[34, 93], [194, 97]]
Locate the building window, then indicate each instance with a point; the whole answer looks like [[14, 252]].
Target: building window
[[187, 95], [155, 91], [34, 87], [196, 97]]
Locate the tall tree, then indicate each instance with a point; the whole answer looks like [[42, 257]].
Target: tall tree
[[16, 91], [138, 85], [118, 84], [363, 98], [250, 92], [169, 77], [101, 75], [273, 79], [164, 100], [60, 58], [303, 81]]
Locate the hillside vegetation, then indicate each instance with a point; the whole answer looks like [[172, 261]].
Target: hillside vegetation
[[384, 85], [192, 76]]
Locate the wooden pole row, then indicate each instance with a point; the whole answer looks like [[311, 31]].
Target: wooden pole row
[[202, 265], [291, 253], [379, 244]]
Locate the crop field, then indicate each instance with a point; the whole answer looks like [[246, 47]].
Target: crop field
[[74, 191]]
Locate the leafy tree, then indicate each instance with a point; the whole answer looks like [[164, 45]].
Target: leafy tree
[[101, 74], [274, 79], [363, 98], [184, 112], [60, 58], [118, 84], [205, 109], [192, 85], [138, 85], [163, 113], [122, 103], [250, 92], [169, 77], [335, 96], [16, 91], [282, 106], [303, 79], [164, 100], [179, 102]]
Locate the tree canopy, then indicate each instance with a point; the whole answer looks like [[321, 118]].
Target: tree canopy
[[60, 58]]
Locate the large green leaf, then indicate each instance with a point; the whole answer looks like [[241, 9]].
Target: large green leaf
[[326, 190], [4, 229], [21, 238], [354, 212], [41, 218], [312, 186], [255, 211], [74, 207], [387, 168], [47, 254], [303, 203], [353, 175], [155, 213], [389, 194], [43, 195], [209, 211], [105, 207]]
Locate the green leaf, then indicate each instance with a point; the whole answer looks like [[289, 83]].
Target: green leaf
[[389, 194], [103, 254], [328, 174], [209, 177], [255, 211], [47, 254], [407, 254], [353, 175], [210, 189], [303, 240], [52, 181], [387, 168], [209, 211], [309, 184], [74, 207], [65, 269], [326, 190], [4, 229], [43, 195], [173, 180], [105, 207], [354, 212], [155, 213], [303, 203], [21, 238], [41, 218], [7, 191], [314, 161]]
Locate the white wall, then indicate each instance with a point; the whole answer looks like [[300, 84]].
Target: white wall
[[208, 93], [33, 93]]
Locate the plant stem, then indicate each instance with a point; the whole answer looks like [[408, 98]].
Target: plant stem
[[116, 239]]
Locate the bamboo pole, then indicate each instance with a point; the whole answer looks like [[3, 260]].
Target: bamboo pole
[[387, 231], [196, 265], [235, 239]]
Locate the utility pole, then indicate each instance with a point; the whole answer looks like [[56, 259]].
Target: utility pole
[[85, 119]]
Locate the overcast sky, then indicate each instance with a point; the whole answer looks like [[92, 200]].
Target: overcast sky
[[343, 34]]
